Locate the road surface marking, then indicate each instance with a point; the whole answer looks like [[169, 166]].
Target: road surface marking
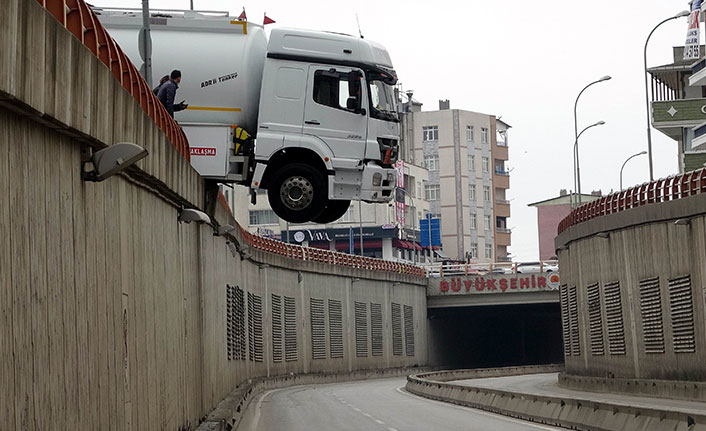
[[357, 409], [258, 408], [379, 421], [391, 429], [483, 412]]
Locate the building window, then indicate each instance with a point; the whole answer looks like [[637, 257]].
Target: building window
[[430, 133], [488, 251], [486, 164], [483, 135], [260, 217], [349, 216], [486, 193], [432, 192], [469, 133], [474, 250], [472, 192], [486, 222], [419, 189], [431, 162], [474, 224], [471, 162]]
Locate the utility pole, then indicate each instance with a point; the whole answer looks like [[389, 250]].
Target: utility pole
[[145, 43]]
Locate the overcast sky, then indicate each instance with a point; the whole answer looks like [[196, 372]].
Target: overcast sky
[[525, 61]]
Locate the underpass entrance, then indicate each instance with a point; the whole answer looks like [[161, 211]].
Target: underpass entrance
[[495, 335]]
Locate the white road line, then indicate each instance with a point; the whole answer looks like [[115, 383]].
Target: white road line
[[391, 429], [357, 409], [483, 412], [366, 414], [379, 421]]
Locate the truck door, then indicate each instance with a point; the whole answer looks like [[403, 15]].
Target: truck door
[[333, 110]]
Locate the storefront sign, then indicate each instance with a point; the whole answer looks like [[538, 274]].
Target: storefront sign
[[496, 284]]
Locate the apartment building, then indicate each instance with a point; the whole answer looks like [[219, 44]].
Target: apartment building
[[466, 154]]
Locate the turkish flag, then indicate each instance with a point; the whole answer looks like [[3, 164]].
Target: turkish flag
[[267, 20], [242, 15]]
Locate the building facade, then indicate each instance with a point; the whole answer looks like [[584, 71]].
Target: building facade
[[552, 211], [465, 153]]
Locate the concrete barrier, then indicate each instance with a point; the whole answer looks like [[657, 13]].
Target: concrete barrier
[[673, 389], [572, 413]]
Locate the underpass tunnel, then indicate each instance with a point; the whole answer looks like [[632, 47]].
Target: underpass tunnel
[[495, 336]]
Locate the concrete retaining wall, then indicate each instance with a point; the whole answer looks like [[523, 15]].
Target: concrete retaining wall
[[569, 413], [632, 295], [678, 390], [112, 314]]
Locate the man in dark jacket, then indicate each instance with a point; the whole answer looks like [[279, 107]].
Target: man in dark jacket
[[167, 93]]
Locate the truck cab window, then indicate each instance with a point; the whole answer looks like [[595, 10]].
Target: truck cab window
[[332, 89], [383, 104]]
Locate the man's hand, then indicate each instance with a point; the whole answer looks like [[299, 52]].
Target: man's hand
[[181, 106]]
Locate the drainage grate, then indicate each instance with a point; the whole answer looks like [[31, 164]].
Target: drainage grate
[[396, 329], [335, 327], [290, 329], [409, 330], [614, 318], [361, 328], [681, 308], [276, 328], [318, 328], [651, 312], [595, 320]]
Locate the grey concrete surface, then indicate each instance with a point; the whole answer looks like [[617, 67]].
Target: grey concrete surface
[[547, 384], [367, 405]]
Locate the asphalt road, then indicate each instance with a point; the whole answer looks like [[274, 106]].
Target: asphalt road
[[370, 405]]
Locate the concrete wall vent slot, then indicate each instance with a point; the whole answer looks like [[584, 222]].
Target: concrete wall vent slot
[[595, 320], [231, 323], [361, 328], [651, 312], [318, 328], [574, 322], [565, 324], [290, 329], [409, 330], [335, 328], [614, 318], [277, 348], [255, 327], [376, 328], [681, 309], [396, 329]]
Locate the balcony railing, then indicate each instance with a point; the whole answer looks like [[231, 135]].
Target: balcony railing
[[501, 171], [502, 144], [503, 230], [502, 201]]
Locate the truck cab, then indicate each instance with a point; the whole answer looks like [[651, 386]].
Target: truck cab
[[328, 128], [309, 116]]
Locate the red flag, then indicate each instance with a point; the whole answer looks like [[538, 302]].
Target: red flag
[[242, 15], [267, 20]]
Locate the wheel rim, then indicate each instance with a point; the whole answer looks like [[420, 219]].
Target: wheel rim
[[296, 193]]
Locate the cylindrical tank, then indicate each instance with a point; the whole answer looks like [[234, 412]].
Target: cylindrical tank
[[221, 60]]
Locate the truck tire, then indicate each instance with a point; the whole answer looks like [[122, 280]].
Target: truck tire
[[333, 211], [297, 193]]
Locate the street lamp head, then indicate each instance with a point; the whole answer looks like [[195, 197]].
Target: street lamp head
[[682, 14], [605, 78], [641, 153], [600, 123]]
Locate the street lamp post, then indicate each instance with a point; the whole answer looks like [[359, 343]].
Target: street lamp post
[[626, 161], [647, 96], [576, 153], [577, 181]]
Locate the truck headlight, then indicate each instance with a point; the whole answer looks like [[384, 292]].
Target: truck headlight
[[377, 179]]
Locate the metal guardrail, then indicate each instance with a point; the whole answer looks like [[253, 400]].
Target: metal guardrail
[[465, 269], [83, 23], [661, 190]]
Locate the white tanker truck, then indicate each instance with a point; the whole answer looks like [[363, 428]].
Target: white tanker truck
[[321, 107]]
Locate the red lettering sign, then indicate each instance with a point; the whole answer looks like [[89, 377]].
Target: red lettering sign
[[203, 151], [455, 285], [503, 284], [467, 283], [493, 284], [444, 286], [524, 283], [541, 282]]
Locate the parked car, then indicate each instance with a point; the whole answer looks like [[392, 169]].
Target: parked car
[[530, 267]]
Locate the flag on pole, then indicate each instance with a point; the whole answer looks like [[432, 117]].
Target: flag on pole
[[692, 50], [267, 20], [243, 15]]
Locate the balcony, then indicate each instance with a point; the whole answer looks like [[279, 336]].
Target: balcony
[[502, 237], [500, 151], [501, 180], [669, 116], [502, 208]]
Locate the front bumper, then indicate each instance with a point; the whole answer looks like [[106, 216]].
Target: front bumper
[[377, 193]]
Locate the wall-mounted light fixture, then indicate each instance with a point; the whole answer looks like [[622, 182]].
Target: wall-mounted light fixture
[[187, 215], [355, 280], [109, 161], [222, 230], [604, 235], [682, 222]]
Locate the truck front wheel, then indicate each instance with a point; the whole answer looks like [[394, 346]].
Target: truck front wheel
[[333, 211], [297, 193]]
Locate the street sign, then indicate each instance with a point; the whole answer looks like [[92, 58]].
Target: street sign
[[435, 232]]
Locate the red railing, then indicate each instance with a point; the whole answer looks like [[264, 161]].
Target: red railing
[[328, 257], [661, 190], [83, 23]]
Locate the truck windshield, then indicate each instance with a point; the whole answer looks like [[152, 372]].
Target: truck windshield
[[382, 100]]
